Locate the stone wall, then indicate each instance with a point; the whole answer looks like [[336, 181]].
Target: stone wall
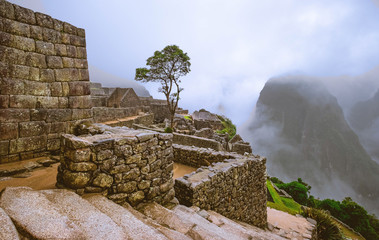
[[125, 165], [44, 82], [235, 188], [199, 157], [190, 140]]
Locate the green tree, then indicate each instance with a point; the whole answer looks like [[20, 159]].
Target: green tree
[[166, 67], [298, 191]]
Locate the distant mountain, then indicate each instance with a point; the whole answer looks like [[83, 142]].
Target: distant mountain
[[109, 80], [364, 119], [301, 129]]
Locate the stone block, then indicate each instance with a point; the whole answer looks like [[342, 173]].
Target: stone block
[[58, 25], [54, 62], [6, 39], [24, 43], [47, 102], [128, 187], [35, 60], [103, 180], [22, 101], [68, 62], [81, 63], [63, 102], [29, 129], [38, 114], [65, 38], [58, 115], [66, 74], [53, 144], [24, 15], [14, 115], [4, 101], [36, 88], [82, 166], [81, 114], [80, 102], [77, 41], [136, 198], [47, 75], [71, 51], [61, 50], [4, 148], [81, 52], [44, 20], [57, 127], [56, 89], [17, 28], [15, 56], [28, 144], [81, 32], [20, 72], [5, 70], [50, 35], [68, 28], [65, 88], [76, 180], [34, 74], [8, 131], [79, 155], [36, 32], [79, 88], [45, 48], [7, 10], [84, 74]]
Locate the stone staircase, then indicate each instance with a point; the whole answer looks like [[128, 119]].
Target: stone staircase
[[61, 214]]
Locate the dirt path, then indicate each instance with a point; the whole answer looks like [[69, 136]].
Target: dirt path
[[180, 170], [42, 178]]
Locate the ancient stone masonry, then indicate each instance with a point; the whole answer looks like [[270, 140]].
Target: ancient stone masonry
[[234, 188], [44, 82], [190, 140], [126, 165]]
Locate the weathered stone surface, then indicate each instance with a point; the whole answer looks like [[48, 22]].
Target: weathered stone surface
[[47, 102], [136, 197], [58, 115], [44, 20], [81, 114], [54, 62], [103, 180], [8, 131], [58, 25], [77, 41], [47, 75], [36, 88], [71, 51], [28, 144], [7, 228], [24, 15], [20, 72], [81, 52], [17, 28], [14, 115], [56, 89], [80, 102], [81, 63], [50, 35], [4, 101], [68, 28], [29, 129], [82, 166], [34, 74], [46, 48], [7, 10], [66, 74], [35, 216], [61, 50], [79, 88], [22, 101], [84, 74], [23, 43], [76, 180], [12, 86], [128, 187], [36, 32], [35, 60]]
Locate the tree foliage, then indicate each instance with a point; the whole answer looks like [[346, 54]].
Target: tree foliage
[[166, 67]]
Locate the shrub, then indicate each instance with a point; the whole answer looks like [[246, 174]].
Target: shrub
[[168, 130], [327, 229], [229, 127]]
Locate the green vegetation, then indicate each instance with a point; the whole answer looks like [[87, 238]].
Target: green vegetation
[[229, 127], [327, 229], [166, 67], [188, 117], [347, 211], [168, 130], [281, 203]]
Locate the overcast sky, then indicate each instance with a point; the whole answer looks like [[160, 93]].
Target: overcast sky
[[234, 46]]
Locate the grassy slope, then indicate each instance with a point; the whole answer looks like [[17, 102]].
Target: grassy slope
[[290, 206]]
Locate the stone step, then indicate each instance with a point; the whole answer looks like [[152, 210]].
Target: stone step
[[250, 232], [93, 223], [36, 217], [7, 228], [131, 225], [203, 224], [169, 233]]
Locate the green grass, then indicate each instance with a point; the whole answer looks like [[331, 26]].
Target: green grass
[[281, 203], [188, 117]]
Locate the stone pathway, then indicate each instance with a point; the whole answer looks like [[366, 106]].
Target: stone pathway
[[62, 214]]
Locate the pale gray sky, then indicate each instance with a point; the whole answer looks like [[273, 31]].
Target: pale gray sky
[[235, 46]]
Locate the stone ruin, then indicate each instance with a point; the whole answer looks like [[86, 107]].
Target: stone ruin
[[46, 98]]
